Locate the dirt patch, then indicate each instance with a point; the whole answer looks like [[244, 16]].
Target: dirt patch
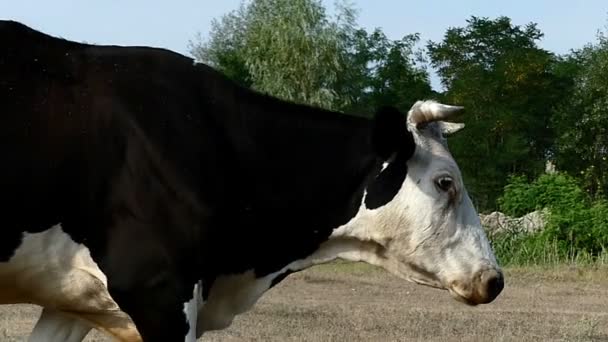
[[353, 303]]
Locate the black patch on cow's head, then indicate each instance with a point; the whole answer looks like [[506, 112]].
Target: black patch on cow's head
[[389, 132], [390, 138]]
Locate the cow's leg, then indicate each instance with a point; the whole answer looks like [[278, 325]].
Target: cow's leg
[[175, 325], [152, 279], [56, 326], [113, 323], [160, 315]]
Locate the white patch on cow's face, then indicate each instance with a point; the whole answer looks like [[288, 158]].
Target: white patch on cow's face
[[191, 310]]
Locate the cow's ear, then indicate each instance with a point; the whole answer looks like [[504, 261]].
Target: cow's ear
[[390, 132]]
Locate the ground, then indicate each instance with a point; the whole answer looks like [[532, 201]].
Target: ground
[[354, 302]]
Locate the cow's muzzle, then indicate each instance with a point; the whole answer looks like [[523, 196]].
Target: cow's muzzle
[[484, 287]]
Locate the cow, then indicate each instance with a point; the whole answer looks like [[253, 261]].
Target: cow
[[152, 198]]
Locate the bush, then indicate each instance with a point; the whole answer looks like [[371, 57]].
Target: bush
[[576, 225], [548, 191]]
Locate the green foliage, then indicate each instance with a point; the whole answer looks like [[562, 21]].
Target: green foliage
[[576, 224], [287, 48], [391, 72], [294, 50], [225, 49], [518, 198], [580, 228], [581, 122], [555, 191], [507, 85], [484, 45]]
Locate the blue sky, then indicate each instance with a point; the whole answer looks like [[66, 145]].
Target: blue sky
[[171, 24]]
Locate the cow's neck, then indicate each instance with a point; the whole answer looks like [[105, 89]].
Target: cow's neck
[[309, 181], [302, 173], [234, 294]]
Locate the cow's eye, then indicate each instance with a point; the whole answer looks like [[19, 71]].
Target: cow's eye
[[444, 183]]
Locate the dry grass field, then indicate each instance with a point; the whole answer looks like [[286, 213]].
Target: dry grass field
[[354, 302]]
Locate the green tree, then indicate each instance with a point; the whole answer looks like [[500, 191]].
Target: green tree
[[509, 87], [225, 49], [293, 50], [393, 72], [581, 122], [287, 48]]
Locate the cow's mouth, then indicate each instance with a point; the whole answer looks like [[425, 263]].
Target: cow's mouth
[[462, 298], [430, 283], [468, 300]]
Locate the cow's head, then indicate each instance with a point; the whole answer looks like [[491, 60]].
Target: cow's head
[[417, 220]]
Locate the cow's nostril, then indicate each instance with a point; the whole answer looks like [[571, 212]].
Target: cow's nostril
[[493, 283]]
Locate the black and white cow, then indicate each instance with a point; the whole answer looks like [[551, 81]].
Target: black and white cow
[[150, 197]]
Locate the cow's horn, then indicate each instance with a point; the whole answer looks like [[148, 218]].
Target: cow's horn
[[428, 111]]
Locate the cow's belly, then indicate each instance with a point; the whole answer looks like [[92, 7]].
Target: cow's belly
[[51, 270]]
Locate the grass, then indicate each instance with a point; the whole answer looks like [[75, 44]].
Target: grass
[[537, 250], [586, 329]]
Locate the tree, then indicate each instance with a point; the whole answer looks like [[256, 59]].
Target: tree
[[293, 50], [393, 73], [508, 85], [581, 122], [225, 49], [287, 48]]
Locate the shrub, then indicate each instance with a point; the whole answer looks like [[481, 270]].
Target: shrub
[[547, 191], [576, 225]]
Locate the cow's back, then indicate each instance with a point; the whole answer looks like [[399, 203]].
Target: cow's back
[[68, 111]]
